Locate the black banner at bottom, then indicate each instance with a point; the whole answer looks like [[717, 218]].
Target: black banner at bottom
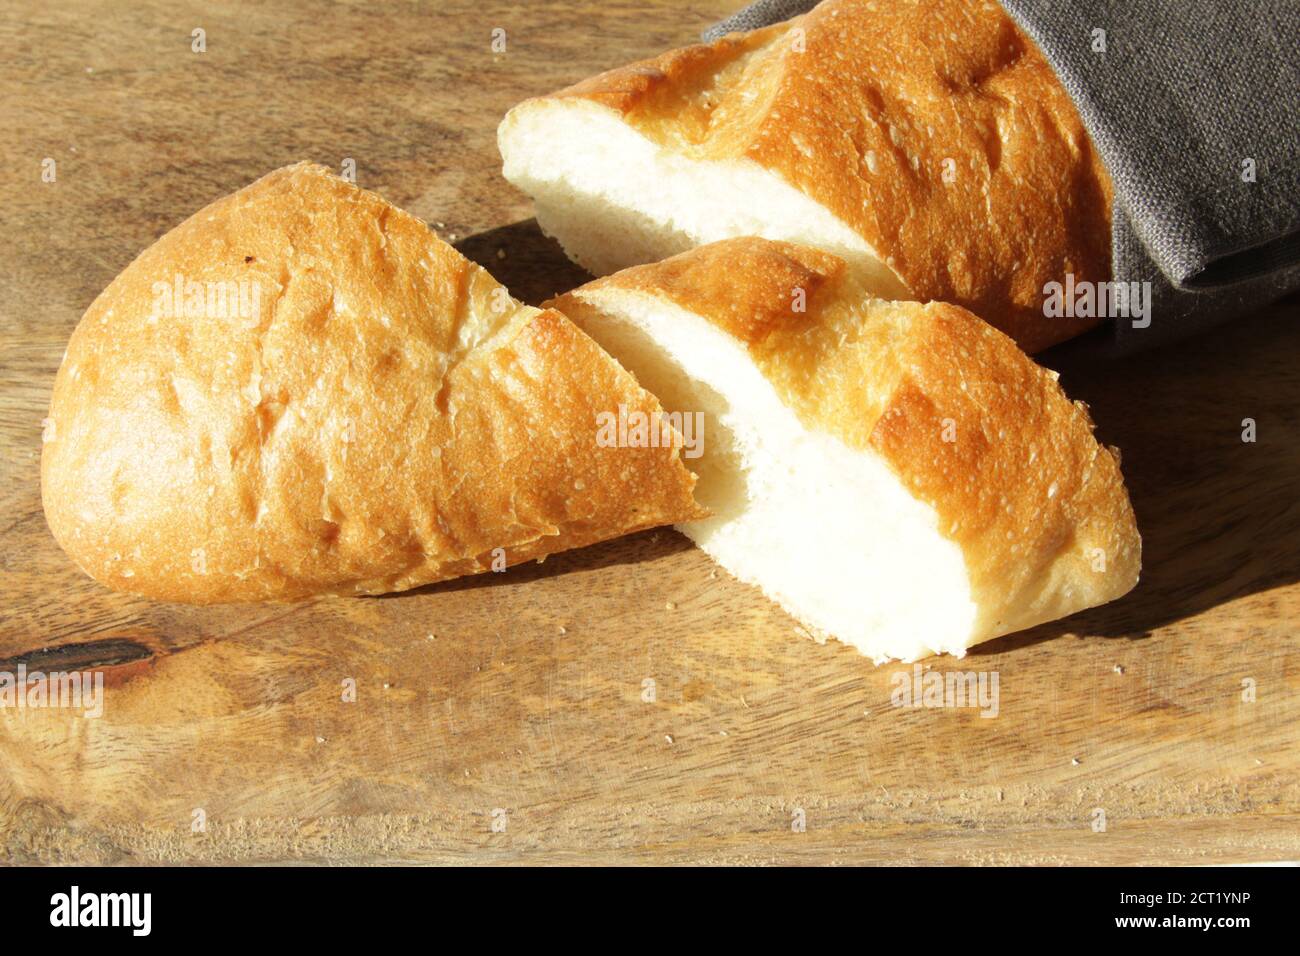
[[304, 905]]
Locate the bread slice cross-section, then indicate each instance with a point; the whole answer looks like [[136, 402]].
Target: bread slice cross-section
[[926, 142], [896, 475], [302, 390]]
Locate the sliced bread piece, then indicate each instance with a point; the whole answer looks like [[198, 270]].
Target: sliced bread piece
[[896, 475], [926, 142], [302, 390]]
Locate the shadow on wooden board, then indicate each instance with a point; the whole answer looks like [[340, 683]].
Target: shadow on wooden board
[[1219, 514], [526, 261]]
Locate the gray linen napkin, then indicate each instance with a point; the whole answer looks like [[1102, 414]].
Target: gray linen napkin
[[1194, 106]]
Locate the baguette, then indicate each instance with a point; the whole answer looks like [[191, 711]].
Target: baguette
[[926, 142], [382, 415], [895, 475]]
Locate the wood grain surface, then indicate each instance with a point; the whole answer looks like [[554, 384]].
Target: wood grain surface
[[520, 700]]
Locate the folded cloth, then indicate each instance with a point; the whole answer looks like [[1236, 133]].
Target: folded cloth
[[1192, 105]]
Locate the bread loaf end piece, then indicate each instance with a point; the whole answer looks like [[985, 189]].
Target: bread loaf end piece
[[301, 390]]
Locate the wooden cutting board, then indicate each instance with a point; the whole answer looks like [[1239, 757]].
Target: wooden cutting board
[[511, 718]]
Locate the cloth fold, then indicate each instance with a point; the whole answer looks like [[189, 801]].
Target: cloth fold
[[1192, 105]]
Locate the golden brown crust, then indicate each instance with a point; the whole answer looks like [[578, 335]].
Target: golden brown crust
[[884, 100], [1038, 507], [968, 423], [750, 306], [386, 419]]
